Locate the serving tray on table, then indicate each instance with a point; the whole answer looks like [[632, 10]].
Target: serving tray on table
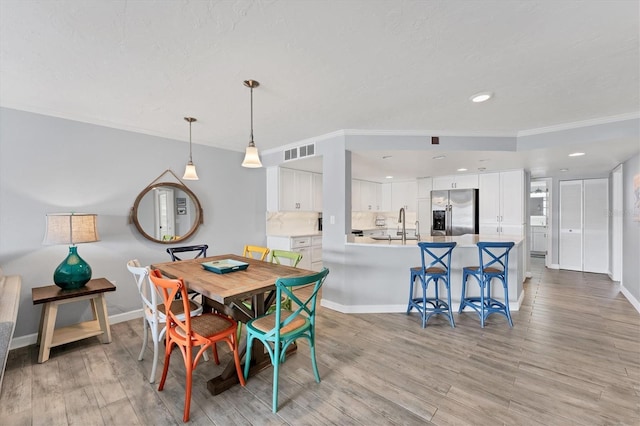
[[224, 266]]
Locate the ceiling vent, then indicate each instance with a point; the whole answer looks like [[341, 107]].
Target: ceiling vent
[[300, 152]]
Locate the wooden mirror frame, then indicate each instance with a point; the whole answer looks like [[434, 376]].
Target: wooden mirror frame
[[194, 199]]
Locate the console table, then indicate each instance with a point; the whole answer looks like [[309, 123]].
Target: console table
[[53, 296]]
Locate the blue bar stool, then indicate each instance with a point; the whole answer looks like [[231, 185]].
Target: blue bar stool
[[439, 256], [496, 266]]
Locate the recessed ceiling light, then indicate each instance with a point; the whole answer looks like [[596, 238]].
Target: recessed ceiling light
[[576, 154], [389, 177], [384, 157], [462, 169], [564, 170], [439, 157], [481, 97], [482, 160], [482, 169]]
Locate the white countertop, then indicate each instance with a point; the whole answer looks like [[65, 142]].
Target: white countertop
[[294, 235], [468, 240]]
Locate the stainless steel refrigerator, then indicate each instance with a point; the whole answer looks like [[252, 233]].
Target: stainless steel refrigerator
[[454, 212]]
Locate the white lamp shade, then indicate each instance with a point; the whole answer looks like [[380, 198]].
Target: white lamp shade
[[190, 172], [251, 158], [71, 228]]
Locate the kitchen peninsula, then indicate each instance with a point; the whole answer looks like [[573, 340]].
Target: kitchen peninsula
[[378, 272]]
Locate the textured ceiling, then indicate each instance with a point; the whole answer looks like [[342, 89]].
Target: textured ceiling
[[323, 65]]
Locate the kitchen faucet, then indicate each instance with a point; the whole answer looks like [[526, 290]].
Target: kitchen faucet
[[401, 219]]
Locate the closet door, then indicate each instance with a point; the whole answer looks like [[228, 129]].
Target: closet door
[[596, 226], [571, 222]]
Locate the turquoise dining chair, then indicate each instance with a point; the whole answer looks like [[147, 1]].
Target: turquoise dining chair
[[279, 329], [436, 269], [494, 264]]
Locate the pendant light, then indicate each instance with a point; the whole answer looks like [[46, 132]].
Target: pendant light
[[251, 158], [190, 170]]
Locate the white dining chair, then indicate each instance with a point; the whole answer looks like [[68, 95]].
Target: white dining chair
[[154, 313]]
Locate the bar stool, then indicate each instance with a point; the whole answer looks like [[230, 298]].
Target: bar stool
[[438, 269], [496, 266]]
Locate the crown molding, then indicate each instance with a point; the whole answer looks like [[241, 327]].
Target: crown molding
[[579, 124]]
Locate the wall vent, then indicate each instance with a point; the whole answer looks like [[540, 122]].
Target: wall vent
[[300, 152]]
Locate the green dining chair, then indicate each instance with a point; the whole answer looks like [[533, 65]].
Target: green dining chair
[[279, 329], [283, 257]]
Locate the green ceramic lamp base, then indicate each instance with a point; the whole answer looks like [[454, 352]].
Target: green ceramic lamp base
[[73, 272]]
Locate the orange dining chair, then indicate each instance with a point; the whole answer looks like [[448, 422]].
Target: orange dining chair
[[204, 330], [255, 252]]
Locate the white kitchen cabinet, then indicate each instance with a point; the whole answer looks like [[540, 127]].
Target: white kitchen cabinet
[[293, 190], [501, 203], [456, 182], [385, 201], [404, 194], [425, 186], [309, 246], [538, 239], [316, 253], [365, 196]]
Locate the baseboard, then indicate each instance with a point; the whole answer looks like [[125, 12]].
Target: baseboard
[[634, 302], [31, 339], [554, 266], [389, 309]]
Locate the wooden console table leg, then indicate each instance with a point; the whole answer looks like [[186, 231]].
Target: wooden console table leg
[[99, 306], [48, 323]]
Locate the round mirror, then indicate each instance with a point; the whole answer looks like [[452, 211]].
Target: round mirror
[[166, 213]]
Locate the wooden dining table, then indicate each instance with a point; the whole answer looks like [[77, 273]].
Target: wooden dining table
[[228, 293]]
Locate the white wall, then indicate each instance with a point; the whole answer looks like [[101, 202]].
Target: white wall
[[631, 228], [49, 164]]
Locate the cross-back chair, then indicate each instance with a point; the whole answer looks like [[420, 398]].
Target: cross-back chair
[[436, 269], [155, 317], [190, 332], [196, 251], [494, 264], [280, 328], [255, 252]]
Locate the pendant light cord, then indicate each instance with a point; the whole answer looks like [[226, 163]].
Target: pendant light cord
[[251, 142], [190, 158]]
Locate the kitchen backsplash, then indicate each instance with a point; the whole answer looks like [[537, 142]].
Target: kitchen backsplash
[[304, 223], [373, 220], [292, 223]]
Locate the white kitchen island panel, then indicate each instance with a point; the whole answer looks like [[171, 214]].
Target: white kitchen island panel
[[376, 274]]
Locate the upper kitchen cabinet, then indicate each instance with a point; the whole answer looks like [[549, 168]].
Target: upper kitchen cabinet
[[502, 203], [455, 182], [404, 195], [425, 186], [366, 196], [292, 190]]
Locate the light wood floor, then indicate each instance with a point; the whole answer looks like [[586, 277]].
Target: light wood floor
[[573, 357]]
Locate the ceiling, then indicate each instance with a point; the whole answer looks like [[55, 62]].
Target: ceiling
[[329, 65]]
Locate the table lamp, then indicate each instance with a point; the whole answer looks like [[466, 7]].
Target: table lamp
[[71, 228]]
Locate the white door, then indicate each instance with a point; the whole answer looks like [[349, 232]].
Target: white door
[[570, 254], [596, 226], [164, 214]]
